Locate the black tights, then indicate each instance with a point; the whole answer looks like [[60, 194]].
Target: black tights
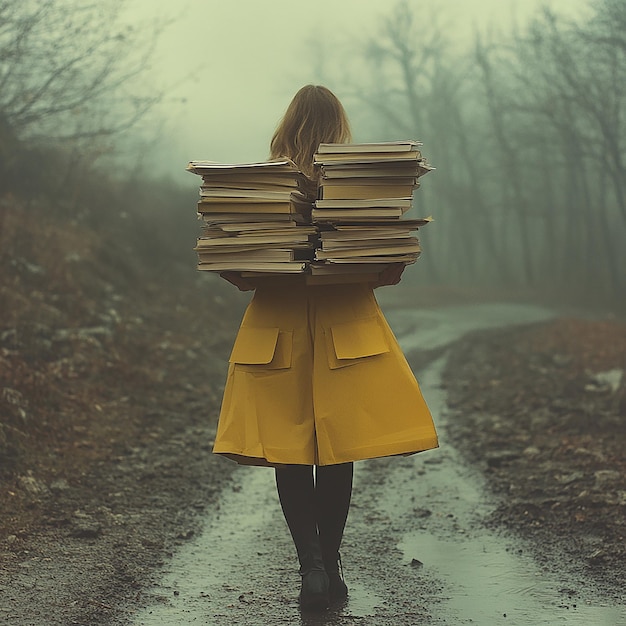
[[316, 505]]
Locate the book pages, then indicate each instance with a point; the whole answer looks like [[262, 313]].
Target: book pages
[[268, 218]]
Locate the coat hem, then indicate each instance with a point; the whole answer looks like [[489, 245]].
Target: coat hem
[[348, 456]]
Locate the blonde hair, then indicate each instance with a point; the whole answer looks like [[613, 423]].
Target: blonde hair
[[314, 116]]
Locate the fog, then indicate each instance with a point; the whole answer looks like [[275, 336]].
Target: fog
[[520, 106], [229, 69]]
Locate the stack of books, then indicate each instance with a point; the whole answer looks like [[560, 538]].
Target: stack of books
[[256, 217], [364, 191], [269, 218]]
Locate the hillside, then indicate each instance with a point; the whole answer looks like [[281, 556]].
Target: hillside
[[101, 337]]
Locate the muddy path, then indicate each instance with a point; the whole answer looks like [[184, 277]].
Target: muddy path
[[416, 549], [159, 531]]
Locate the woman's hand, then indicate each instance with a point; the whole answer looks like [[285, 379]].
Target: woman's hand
[[391, 275], [236, 279]]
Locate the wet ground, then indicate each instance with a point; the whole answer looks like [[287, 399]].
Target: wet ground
[[416, 549], [162, 532]]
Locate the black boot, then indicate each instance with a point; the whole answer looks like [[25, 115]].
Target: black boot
[[337, 588], [333, 490], [314, 594], [297, 498]]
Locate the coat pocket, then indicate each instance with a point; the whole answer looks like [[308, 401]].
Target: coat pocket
[[259, 349], [354, 342]]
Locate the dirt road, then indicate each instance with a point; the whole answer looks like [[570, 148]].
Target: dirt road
[[417, 550]]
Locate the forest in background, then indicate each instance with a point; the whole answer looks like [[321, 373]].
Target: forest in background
[[527, 134], [96, 259], [525, 130]]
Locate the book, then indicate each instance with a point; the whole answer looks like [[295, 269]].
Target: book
[[213, 194], [383, 159], [389, 226], [370, 181], [262, 254], [380, 170], [345, 244], [368, 203], [362, 192], [232, 230], [208, 168], [234, 205], [374, 251], [358, 233], [382, 146], [248, 186], [366, 157], [253, 177], [236, 218], [365, 214], [237, 240], [392, 258], [254, 226], [267, 218], [284, 267]]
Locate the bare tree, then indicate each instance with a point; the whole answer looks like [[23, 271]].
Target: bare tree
[[565, 83], [68, 69], [528, 137], [415, 87]]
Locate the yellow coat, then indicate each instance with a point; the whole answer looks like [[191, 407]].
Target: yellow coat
[[317, 377]]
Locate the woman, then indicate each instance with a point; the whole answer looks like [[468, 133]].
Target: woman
[[317, 380]]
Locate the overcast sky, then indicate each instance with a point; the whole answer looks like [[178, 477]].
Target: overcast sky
[[232, 66]]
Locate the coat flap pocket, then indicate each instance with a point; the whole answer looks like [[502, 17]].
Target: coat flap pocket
[[262, 348], [355, 340], [254, 346]]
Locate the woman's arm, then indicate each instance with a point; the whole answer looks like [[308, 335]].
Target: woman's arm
[[236, 279], [391, 275]]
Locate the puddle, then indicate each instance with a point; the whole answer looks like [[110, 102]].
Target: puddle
[[490, 585], [488, 579], [362, 601]]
